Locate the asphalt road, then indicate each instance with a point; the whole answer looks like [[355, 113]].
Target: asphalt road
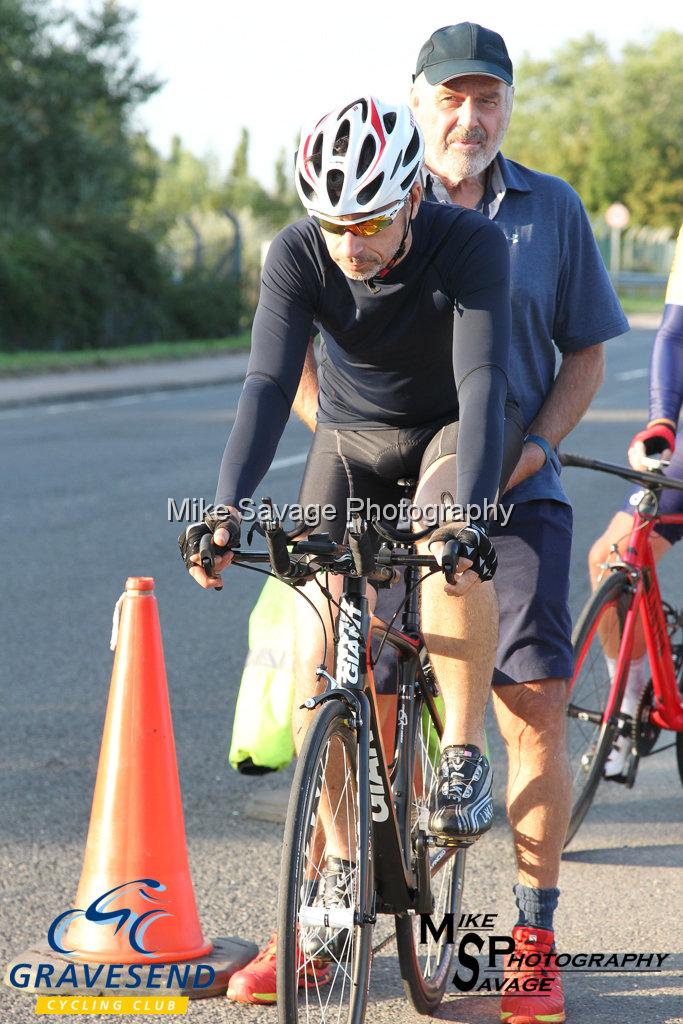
[[86, 495]]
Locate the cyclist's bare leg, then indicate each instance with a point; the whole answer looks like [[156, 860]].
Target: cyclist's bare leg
[[308, 657], [460, 632], [618, 532], [532, 718]]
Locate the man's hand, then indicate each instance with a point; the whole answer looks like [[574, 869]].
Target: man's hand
[[468, 571], [466, 578], [221, 536], [530, 461]]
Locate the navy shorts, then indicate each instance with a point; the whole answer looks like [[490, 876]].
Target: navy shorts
[[532, 584], [670, 501]]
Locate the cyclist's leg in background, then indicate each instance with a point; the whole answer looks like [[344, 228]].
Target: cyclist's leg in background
[[661, 540], [619, 531], [460, 632]]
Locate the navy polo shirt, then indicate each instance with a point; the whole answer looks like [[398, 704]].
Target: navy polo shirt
[[562, 297]]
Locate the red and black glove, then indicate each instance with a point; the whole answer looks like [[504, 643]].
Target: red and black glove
[[657, 437]]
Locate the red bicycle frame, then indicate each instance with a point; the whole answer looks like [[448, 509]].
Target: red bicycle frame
[[667, 709]]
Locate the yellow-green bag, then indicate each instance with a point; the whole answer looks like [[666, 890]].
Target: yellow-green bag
[[262, 729]]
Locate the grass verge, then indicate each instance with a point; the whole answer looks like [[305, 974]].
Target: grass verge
[[634, 303], [19, 363]]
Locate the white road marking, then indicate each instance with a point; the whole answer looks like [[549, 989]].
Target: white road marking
[[633, 374], [289, 460], [615, 416]]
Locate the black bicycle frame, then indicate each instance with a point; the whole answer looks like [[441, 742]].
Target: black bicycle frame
[[395, 883]]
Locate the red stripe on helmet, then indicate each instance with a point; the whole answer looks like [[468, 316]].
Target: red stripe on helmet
[[305, 157], [376, 122]]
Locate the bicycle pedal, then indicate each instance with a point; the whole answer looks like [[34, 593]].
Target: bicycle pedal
[[439, 841]]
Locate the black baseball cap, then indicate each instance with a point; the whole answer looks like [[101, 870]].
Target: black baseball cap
[[464, 49]]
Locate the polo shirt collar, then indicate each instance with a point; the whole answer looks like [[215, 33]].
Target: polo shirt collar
[[501, 177], [513, 177]]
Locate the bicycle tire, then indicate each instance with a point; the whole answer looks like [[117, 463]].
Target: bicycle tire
[[303, 828], [589, 743], [425, 982]]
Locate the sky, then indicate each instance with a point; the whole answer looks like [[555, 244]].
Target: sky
[[274, 67]]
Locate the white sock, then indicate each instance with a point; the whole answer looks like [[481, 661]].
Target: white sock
[[635, 684]]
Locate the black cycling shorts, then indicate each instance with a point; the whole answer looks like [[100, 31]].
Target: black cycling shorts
[[367, 464]]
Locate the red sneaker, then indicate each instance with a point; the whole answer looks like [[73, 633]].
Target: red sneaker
[[255, 983], [543, 1000]]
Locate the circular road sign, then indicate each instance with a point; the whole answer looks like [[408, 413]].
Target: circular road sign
[[617, 216]]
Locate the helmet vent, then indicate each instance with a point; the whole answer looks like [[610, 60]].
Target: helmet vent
[[341, 140], [389, 121], [396, 165], [367, 155], [306, 188], [413, 147], [364, 109], [407, 182], [316, 158], [367, 194], [335, 184]]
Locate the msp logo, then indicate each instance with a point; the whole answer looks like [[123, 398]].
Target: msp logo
[[107, 912]]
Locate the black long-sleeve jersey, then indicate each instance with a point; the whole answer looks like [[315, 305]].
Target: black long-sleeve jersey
[[429, 340]]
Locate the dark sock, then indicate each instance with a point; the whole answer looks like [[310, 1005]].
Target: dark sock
[[536, 906]]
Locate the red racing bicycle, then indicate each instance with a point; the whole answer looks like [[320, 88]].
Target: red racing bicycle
[[628, 596]]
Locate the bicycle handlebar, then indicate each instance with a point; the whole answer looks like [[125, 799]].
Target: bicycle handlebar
[[626, 473], [357, 558]]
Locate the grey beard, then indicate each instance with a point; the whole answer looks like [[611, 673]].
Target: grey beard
[[455, 165], [463, 165]]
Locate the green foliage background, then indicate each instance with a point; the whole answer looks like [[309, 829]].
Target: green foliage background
[[611, 126], [103, 242]]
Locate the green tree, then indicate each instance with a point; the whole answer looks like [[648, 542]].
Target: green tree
[[184, 184], [610, 126], [68, 89], [243, 192]]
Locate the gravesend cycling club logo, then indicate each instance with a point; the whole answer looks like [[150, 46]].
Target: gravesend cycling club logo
[[129, 911], [107, 912], [480, 955]]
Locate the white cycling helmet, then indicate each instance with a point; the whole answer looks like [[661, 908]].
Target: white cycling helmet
[[358, 158]]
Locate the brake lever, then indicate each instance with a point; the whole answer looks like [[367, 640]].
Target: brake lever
[[450, 559], [207, 554]]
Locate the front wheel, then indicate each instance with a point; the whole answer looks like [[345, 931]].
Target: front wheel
[[590, 736], [324, 953], [425, 966]]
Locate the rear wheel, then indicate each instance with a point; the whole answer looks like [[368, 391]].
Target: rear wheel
[[589, 736], [425, 966], [323, 954]]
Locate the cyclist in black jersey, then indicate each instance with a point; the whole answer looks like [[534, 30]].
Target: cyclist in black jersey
[[413, 302]]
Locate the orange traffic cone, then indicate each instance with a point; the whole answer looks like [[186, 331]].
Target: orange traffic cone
[[135, 894]]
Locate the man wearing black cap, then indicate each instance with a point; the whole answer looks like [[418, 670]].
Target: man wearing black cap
[[561, 299]]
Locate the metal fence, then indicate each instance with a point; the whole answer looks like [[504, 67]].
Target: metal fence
[[645, 256]]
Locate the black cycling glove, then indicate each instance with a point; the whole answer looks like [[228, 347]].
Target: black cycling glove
[[471, 541], [190, 539]]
